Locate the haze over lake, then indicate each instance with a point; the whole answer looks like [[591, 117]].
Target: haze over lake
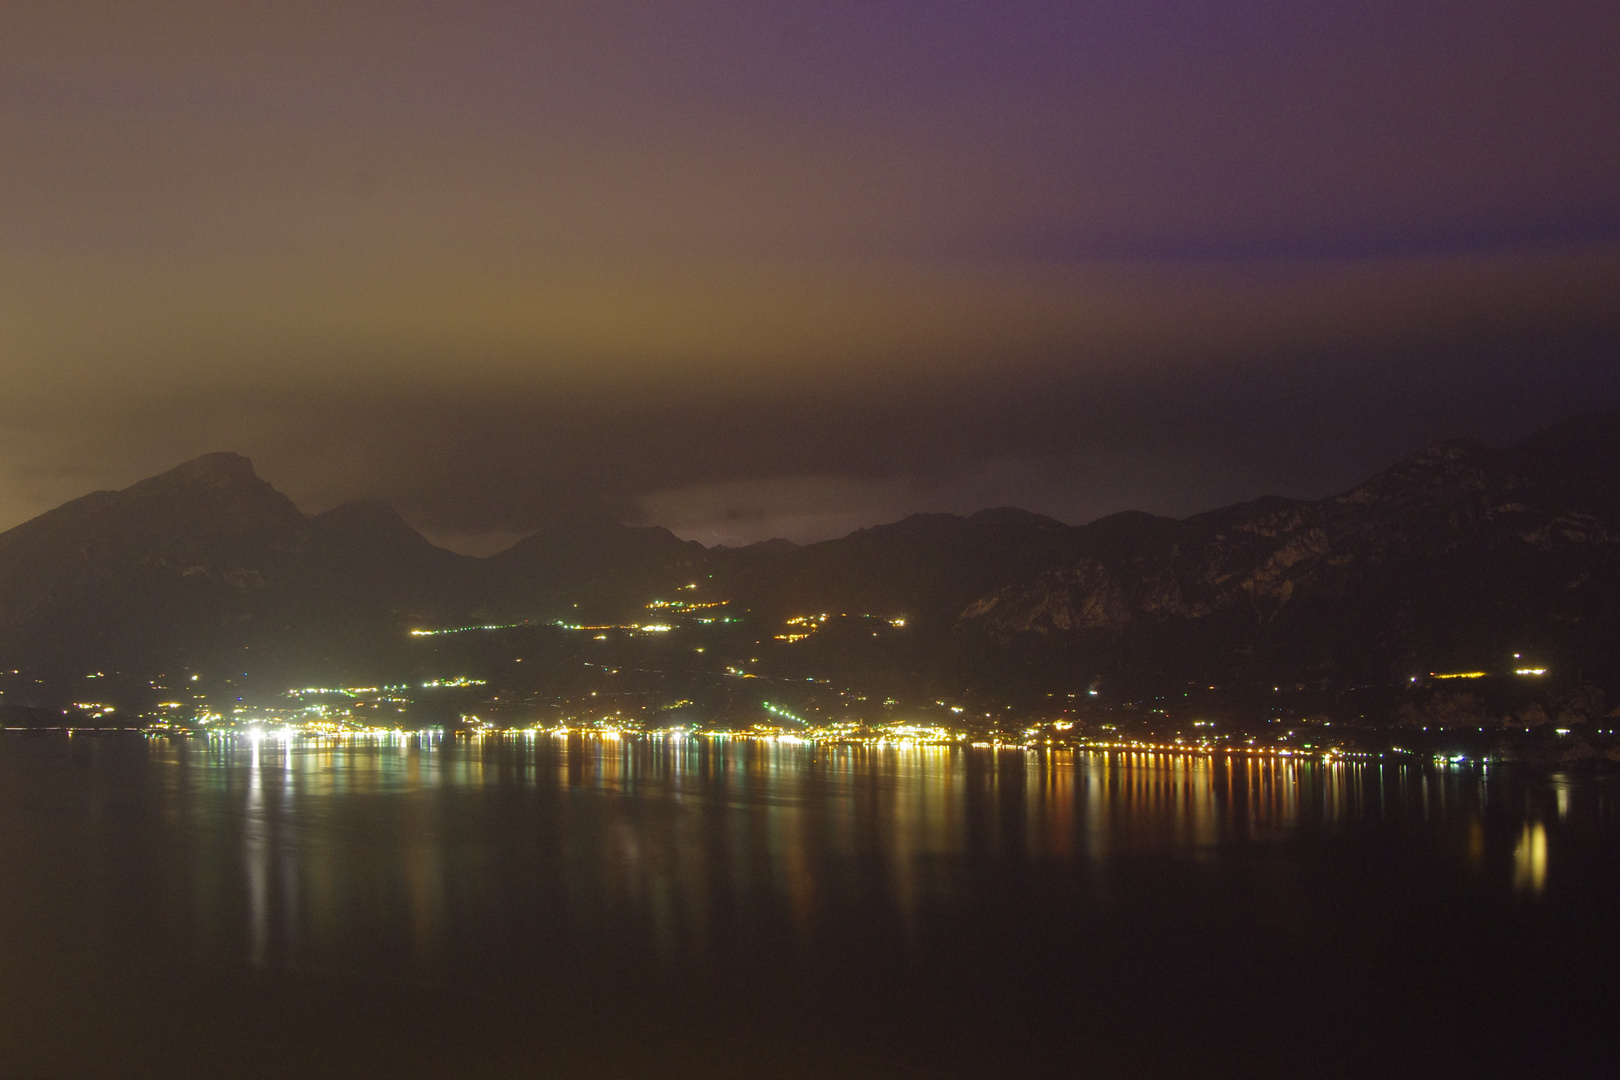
[[539, 906]]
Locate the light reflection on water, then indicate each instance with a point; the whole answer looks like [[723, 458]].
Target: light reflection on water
[[1530, 858], [967, 912], [400, 840]]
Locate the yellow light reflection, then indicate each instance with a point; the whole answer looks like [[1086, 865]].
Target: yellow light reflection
[[1530, 859]]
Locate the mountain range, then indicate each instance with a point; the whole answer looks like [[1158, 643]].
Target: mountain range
[[1462, 557]]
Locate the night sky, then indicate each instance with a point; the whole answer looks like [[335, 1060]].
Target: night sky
[[754, 269]]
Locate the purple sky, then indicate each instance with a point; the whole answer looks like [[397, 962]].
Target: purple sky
[[749, 268]]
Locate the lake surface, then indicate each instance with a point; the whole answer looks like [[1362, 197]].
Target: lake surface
[[568, 907]]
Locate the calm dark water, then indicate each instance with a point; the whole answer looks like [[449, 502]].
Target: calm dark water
[[579, 908]]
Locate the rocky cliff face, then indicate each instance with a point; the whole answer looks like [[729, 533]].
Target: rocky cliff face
[[1457, 554]]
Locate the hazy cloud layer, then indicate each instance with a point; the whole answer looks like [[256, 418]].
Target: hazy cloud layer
[[755, 268]]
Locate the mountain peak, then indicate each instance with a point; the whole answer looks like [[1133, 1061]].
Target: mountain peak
[[1015, 517], [217, 468], [217, 493], [364, 521]]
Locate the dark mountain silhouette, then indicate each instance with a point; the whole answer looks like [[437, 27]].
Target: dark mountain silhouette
[[377, 560], [190, 553], [207, 560], [924, 568], [1458, 557], [600, 569]]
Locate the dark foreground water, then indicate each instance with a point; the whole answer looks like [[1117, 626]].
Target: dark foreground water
[[670, 909]]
